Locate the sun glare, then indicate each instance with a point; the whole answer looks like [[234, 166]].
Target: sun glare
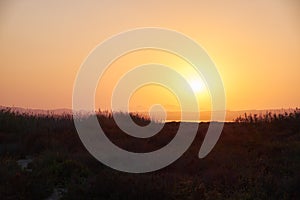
[[197, 85]]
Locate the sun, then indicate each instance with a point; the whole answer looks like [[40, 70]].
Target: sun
[[197, 85]]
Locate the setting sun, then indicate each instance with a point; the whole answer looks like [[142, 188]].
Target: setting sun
[[197, 85]]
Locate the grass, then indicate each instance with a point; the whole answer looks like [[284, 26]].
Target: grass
[[257, 157]]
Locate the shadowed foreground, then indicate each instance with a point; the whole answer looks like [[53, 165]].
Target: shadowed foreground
[[256, 157]]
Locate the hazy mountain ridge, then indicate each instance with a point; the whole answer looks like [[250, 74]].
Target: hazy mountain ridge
[[172, 115], [35, 111]]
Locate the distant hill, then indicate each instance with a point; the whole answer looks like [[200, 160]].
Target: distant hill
[[38, 111], [172, 116]]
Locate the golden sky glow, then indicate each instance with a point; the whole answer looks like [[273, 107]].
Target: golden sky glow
[[146, 96], [254, 44]]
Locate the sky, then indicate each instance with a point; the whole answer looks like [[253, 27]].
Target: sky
[[255, 46]]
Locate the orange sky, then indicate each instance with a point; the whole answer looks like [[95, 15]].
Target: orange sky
[[254, 44]]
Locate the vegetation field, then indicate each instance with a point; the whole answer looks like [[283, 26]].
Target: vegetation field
[[256, 157]]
